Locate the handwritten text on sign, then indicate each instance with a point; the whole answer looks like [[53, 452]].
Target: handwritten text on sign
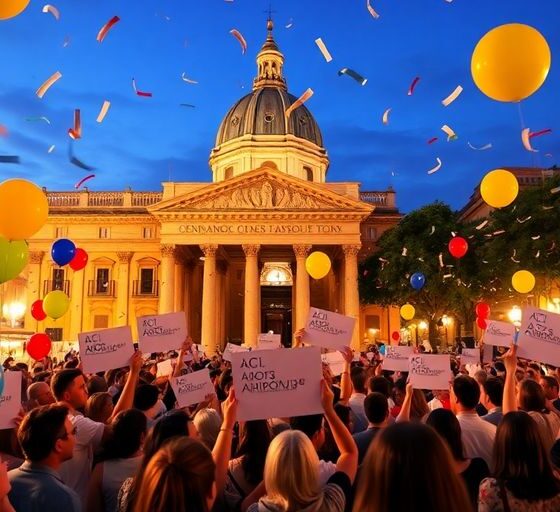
[[160, 333], [10, 400], [430, 371], [396, 358], [192, 388], [105, 349], [328, 329], [499, 334], [277, 383], [470, 356], [539, 336]]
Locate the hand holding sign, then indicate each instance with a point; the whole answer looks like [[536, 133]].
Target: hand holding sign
[[327, 397], [510, 359], [229, 410]]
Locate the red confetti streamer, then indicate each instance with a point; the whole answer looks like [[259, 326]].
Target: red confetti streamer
[[105, 28], [83, 180], [432, 140], [413, 85], [140, 93], [539, 133], [76, 132]]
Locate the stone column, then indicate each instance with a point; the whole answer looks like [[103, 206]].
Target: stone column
[[252, 294], [209, 299], [302, 286], [351, 295], [123, 287], [187, 304], [221, 304], [33, 288], [167, 288], [179, 292]]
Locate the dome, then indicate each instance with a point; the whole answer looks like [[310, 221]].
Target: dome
[[262, 112]]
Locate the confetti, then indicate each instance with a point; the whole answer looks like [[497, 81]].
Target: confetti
[[187, 105], [187, 80], [323, 48], [290, 23], [481, 225], [75, 161], [549, 155], [447, 276], [433, 230], [440, 257], [482, 148], [499, 232], [451, 135], [299, 102], [386, 116], [3, 131], [103, 111], [140, 93], [452, 97], [526, 142], [432, 140], [371, 10], [547, 207], [538, 254], [47, 84], [555, 190], [436, 168], [83, 180], [76, 131], [351, 73], [42, 118], [9, 159], [522, 221], [105, 28], [535, 237], [413, 86], [539, 133], [53, 10], [51, 149], [404, 251], [66, 42], [235, 33]]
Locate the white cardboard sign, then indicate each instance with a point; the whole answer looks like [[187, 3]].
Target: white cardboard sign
[[10, 400], [105, 349], [429, 371], [267, 341], [487, 354], [499, 334], [470, 356], [192, 388], [165, 368], [160, 333], [277, 383], [327, 329], [396, 357], [335, 360], [230, 349], [539, 336]]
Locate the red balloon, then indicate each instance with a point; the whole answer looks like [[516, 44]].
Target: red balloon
[[37, 311], [396, 336], [481, 322], [458, 247], [39, 346], [80, 259], [482, 310]]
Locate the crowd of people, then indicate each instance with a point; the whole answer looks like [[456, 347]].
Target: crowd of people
[[116, 441]]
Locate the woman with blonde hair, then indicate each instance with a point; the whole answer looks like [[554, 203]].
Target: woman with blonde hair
[[99, 407]]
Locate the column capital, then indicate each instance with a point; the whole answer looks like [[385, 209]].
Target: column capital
[[124, 256], [302, 251], [36, 256], [167, 250], [251, 250], [351, 250], [209, 250]]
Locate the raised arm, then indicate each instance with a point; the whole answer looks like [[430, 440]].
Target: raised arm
[[345, 382], [510, 362], [222, 449], [127, 396], [404, 414], [185, 347]]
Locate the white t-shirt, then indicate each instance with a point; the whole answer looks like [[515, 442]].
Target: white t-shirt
[[76, 472], [478, 436]]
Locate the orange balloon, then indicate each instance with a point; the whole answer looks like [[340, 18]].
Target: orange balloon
[[11, 8]]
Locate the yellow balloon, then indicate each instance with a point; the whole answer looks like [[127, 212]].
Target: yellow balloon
[[24, 209], [523, 281], [56, 304], [408, 311], [499, 188], [318, 265], [510, 62], [11, 8]]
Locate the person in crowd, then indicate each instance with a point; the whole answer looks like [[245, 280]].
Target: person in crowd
[[39, 393], [291, 473], [358, 377], [47, 439], [5, 488], [399, 392], [440, 400], [477, 435], [419, 409], [120, 459], [481, 377], [96, 384], [99, 407], [69, 388], [382, 385], [473, 471], [409, 452], [550, 388], [491, 396], [329, 451], [523, 479], [208, 423], [377, 412], [146, 399]]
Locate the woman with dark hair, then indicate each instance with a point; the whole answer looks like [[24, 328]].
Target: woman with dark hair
[[120, 458], [245, 471], [413, 455], [473, 471], [523, 477]]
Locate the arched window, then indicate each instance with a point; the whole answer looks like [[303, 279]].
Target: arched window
[[308, 173], [228, 173]]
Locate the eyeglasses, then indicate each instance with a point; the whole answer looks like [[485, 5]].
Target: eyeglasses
[[73, 432]]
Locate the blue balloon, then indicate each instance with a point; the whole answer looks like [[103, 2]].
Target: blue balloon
[[417, 280], [382, 350], [63, 251]]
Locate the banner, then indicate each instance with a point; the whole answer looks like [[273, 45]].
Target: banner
[[161, 333], [10, 400], [430, 371], [328, 329], [470, 356], [192, 388], [539, 336], [396, 358], [267, 341], [335, 360], [277, 383], [105, 349], [499, 334]]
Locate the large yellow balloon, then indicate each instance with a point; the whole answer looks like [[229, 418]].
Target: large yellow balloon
[[318, 265], [499, 188], [56, 304], [11, 8], [510, 62], [23, 209], [523, 281], [408, 311]]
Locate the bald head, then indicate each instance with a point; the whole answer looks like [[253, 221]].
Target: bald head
[[40, 393]]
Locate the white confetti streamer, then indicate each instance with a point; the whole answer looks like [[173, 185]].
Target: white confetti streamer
[[452, 97], [323, 49], [386, 116], [451, 135], [482, 148], [436, 168], [525, 139], [371, 10], [188, 80], [481, 225]]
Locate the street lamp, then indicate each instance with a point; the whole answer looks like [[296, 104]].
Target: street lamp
[[14, 311], [514, 316], [446, 321]]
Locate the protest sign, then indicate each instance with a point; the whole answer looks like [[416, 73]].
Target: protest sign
[[539, 336], [192, 388], [165, 368], [232, 349], [328, 329], [470, 356], [487, 354], [396, 358], [10, 400], [277, 383], [194, 349], [335, 360], [267, 341], [160, 333], [429, 371], [105, 349], [499, 334]]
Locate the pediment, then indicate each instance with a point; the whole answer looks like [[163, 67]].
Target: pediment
[[262, 189]]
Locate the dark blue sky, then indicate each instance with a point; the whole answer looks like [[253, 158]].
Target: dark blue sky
[[144, 141]]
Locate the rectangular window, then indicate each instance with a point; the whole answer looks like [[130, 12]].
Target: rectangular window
[[147, 232], [58, 279], [102, 280], [104, 232], [371, 233], [100, 321], [146, 281], [54, 333]]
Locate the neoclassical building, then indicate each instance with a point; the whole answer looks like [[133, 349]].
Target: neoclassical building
[[230, 253]]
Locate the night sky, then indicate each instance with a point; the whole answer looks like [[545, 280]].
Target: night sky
[[144, 141]]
